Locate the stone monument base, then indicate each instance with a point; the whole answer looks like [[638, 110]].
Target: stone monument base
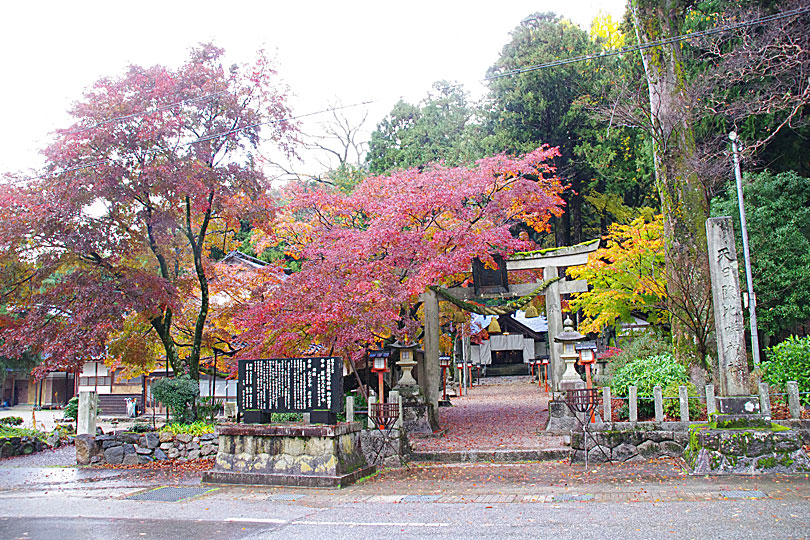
[[418, 416], [745, 446], [560, 418], [289, 455]]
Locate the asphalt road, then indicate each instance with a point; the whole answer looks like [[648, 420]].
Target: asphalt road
[[576, 521], [41, 500]]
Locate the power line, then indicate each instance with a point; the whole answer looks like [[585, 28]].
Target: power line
[[649, 45], [508, 73]]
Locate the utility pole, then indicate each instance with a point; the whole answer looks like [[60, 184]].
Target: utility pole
[[752, 301]]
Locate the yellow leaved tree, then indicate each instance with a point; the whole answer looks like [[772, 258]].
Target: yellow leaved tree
[[627, 277]]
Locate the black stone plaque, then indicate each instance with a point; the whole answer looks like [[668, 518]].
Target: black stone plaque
[[488, 280], [289, 385]]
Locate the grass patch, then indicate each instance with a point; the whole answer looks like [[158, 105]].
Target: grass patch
[[9, 432]]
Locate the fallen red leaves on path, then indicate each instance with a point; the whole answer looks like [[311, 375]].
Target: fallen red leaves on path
[[501, 413], [203, 464]]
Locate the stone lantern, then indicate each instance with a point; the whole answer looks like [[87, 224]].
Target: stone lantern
[[417, 414], [569, 338], [406, 363]]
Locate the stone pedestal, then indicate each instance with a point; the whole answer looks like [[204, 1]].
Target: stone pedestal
[[418, 416], [571, 379], [560, 418], [407, 377], [758, 450], [289, 455]]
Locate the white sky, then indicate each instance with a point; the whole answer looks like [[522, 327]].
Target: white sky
[[326, 51]]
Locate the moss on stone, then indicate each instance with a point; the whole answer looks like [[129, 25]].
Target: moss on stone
[[786, 460], [767, 463]]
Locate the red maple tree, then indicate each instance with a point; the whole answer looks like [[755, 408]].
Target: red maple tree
[[111, 247], [366, 256]]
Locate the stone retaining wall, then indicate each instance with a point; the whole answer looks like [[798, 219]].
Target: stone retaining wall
[[639, 441], [746, 451], [20, 446], [622, 441], [377, 451], [130, 448], [289, 454]]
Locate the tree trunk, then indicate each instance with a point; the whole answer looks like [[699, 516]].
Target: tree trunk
[[684, 202]]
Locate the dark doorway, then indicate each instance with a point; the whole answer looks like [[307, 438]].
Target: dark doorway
[[502, 358]]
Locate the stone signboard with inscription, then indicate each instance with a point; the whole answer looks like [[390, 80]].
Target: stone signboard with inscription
[[728, 313], [283, 385]]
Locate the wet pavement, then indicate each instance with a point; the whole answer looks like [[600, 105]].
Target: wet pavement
[[39, 499], [45, 495]]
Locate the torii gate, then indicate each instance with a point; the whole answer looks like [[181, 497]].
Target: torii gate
[[550, 261]]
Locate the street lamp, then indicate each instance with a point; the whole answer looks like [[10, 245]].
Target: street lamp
[[444, 363], [380, 366], [587, 357], [752, 304]]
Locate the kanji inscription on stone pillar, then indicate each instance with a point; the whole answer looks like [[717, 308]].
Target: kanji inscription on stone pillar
[[728, 313]]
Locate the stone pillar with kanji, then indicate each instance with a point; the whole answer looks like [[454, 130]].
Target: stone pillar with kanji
[[728, 311]]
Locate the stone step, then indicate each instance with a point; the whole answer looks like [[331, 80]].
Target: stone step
[[502, 370], [493, 456]]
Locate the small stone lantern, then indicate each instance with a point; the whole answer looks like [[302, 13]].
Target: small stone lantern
[[569, 338], [406, 363]]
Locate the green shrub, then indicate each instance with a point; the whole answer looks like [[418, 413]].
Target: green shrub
[[195, 428], [789, 361], [208, 407], [287, 417], [672, 407], [72, 408], [11, 421], [179, 395], [650, 343], [645, 374], [141, 427], [7, 432]]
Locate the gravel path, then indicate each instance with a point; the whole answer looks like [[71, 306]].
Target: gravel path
[[500, 413], [64, 456]]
